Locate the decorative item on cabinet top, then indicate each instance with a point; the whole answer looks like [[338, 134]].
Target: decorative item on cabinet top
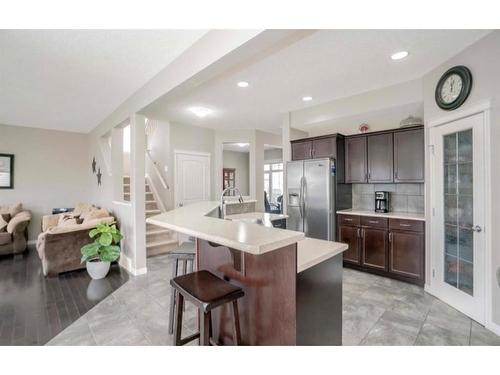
[[363, 128], [411, 121]]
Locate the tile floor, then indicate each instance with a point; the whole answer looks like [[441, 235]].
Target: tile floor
[[377, 311]]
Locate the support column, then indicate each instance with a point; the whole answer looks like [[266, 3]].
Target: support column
[[138, 191], [287, 154], [117, 162]]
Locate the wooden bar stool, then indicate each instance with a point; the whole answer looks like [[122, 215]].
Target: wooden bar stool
[[206, 291], [182, 256]]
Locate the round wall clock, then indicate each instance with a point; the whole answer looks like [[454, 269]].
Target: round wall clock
[[453, 88]]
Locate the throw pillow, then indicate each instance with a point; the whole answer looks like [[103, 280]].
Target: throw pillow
[[3, 224], [6, 217], [96, 213], [15, 209]]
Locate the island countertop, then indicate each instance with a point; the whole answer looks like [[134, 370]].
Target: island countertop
[[251, 238]]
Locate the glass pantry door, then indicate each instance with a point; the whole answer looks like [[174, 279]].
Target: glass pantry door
[[458, 214]]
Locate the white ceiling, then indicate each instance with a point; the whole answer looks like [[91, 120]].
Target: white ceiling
[[326, 65], [73, 79]]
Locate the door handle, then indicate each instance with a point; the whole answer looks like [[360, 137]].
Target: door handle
[[476, 229], [301, 197], [390, 236], [359, 233]]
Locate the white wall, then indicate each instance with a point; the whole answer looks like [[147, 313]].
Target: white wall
[[51, 169], [273, 154], [239, 161], [483, 59]]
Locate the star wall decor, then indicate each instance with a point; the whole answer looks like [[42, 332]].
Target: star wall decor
[[99, 175], [94, 164]]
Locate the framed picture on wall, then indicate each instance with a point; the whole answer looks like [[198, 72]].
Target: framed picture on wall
[[6, 171]]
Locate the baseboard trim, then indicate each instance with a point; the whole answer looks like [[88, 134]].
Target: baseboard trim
[[493, 327], [127, 264]]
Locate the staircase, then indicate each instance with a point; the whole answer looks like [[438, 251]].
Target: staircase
[[158, 240]]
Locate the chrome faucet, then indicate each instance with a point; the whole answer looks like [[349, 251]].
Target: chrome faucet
[[222, 205]]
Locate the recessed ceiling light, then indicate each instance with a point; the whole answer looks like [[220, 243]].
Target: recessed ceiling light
[[243, 84], [201, 111], [307, 98], [399, 55]]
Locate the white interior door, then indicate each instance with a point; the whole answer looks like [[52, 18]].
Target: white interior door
[[192, 177], [458, 215]]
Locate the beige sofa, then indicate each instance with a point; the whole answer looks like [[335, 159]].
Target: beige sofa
[[63, 236], [14, 223]]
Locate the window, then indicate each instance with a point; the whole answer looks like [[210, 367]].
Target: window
[[273, 181]]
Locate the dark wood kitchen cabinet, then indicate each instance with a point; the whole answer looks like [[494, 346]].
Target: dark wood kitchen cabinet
[[301, 150], [356, 160], [329, 146], [374, 245], [351, 235], [380, 158], [389, 247], [409, 156], [406, 248]]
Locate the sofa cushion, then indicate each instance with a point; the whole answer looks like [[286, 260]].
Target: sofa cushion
[[5, 238], [83, 209], [6, 217], [3, 224], [76, 227]]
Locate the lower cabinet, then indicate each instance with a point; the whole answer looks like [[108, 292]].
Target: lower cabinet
[[374, 248], [406, 254], [388, 247], [351, 236]]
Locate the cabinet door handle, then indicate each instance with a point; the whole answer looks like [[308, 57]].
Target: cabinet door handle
[[359, 233], [373, 221], [404, 225], [396, 175], [390, 236], [369, 175], [347, 219]]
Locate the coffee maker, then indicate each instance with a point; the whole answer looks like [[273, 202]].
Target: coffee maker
[[381, 201]]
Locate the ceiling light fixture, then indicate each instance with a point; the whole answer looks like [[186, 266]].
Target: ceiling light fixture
[[399, 55], [201, 111], [242, 144], [243, 84], [307, 98]]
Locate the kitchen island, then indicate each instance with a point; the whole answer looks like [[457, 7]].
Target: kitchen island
[[292, 284]]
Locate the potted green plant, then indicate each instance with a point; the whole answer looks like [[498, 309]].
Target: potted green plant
[[104, 250]]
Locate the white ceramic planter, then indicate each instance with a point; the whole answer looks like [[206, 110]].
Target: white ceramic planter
[[97, 269]]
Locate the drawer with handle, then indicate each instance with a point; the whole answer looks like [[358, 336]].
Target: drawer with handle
[[402, 224], [348, 219], [373, 221]]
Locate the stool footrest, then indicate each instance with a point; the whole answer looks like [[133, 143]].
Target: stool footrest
[[185, 340]]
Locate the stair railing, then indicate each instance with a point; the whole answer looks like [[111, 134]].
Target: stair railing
[[157, 171]]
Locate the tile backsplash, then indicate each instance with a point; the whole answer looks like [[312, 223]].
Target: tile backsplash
[[403, 197]]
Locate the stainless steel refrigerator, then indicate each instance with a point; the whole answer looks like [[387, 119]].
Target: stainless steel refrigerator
[[311, 196]]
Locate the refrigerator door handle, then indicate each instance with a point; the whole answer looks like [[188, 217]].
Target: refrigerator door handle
[[301, 197], [304, 196]]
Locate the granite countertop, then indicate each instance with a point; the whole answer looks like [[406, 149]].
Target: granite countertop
[[390, 215], [248, 237]]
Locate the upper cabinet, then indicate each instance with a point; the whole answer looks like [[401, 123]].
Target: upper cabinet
[[380, 158], [301, 150], [329, 146], [409, 156], [356, 160], [390, 156]]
